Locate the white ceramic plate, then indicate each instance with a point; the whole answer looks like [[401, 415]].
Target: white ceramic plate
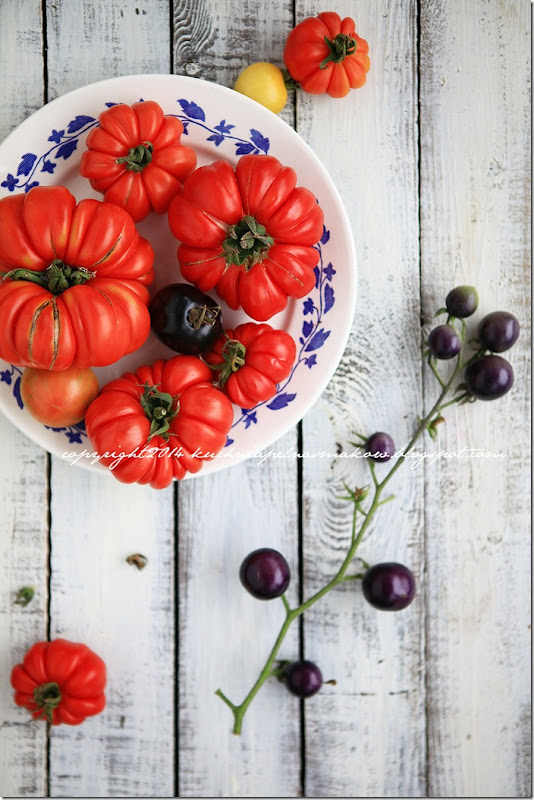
[[46, 149]]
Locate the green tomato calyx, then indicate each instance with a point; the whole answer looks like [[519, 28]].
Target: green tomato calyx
[[247, 243], [160, 408], [47, 697], [341, 46], [56, 278], [138, 157]]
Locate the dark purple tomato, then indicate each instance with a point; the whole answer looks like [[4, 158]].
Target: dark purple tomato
[[498, 331], [185, 319], [265, 573], [444, 342], [303, 678], [462, 301], [389, 586], [489, 377], [380, 446]]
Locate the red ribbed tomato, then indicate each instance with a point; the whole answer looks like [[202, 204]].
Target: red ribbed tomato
[[60, 681], [135, 158], [326, 55], [248, 234], [159, 423], [253, 359], [73, 291]]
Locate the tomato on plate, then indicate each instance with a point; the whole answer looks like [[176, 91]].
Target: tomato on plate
[[60, 681], [248, 234], [264, 83], [326, 55], [58, 399], [73, 291], [252, 360], [159, 423], [135, 158]]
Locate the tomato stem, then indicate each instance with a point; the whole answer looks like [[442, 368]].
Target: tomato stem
[[47, 697], [203, 315], [233, 353], [57, 278], [138, 157], [341, 46], [247, 243], [160, 408]]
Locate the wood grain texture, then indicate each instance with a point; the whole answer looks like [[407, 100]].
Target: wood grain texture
[[127, 617], [97, 522], [23, 466], [90, 41], [226, 635], [365, 737], [21, 62], [475, 185]]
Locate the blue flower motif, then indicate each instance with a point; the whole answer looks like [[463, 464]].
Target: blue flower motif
[[281, 401], [48, 166], [308, 306], [5, 377], [261, 142], [326, 236], [192, 110], [329, 271], [74, 437], [249, 417], [311, 361], [244, 148], [217, 140], [67, 148], [317, 340], [223, 127], [56, 136], [329, 298], [26, 163], [10, 182], [307, 328]]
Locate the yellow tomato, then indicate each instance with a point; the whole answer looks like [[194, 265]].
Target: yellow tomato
[[264, 83]]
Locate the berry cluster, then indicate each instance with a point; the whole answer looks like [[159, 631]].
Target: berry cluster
[[388, 586]]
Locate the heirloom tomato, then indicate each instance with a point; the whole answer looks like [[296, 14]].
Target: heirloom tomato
[[249, 234], [73, 289], [326, 55], [135, 158], [58, 399], [253, 359], [159, 423], [60, 681]]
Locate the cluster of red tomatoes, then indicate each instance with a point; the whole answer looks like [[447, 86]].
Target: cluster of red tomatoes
[[74, 292]]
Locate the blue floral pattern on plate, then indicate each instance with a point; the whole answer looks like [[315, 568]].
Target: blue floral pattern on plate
[[314, 331]]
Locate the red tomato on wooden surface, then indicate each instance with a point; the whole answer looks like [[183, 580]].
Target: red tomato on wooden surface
[[324, 54], [167, 419], [254, 359], [60, 681], [135, 158], [248, 234], [58, 399], [73, 291]]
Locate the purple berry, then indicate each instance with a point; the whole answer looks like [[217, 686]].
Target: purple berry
[[389, 586], [444, 342], [498, 331], [303, 678], [380, 446], [489, 377], [462, 301], [265, 573]]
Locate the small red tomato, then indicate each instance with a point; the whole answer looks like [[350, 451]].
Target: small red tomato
[[58, 399], [253, 359], [136, 159], [60, 681], [326, 55]]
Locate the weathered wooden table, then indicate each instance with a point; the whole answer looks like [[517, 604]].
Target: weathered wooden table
[[431, 159]]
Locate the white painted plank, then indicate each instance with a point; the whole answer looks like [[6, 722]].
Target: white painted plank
[[226, 635], [124, 615], [90, 41], [475, 126], [21, 62], [365, 737], [23, 480], [96, 523]]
